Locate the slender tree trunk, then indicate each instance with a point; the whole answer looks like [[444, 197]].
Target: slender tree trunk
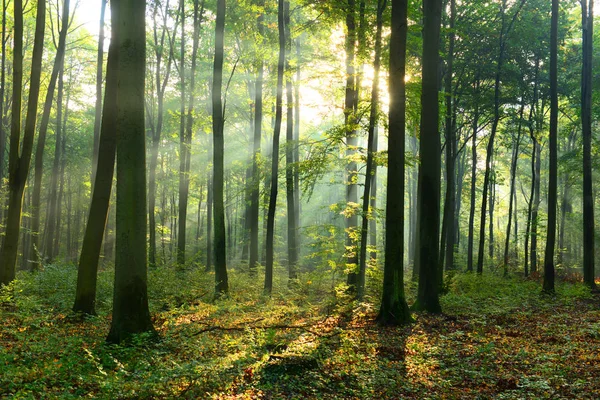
[[51, 214], [156, 129], [366, 214], [536, 206], [513, 175], [255, 178], [553, 168], [289, 157], [586, 119], [504, 32], [2, 92], [98, 108], [85, 296], [221, 282], [275, 154], [19, 164], [475, 129], [350, 122]]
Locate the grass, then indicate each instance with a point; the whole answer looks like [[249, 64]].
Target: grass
[[498, 338]]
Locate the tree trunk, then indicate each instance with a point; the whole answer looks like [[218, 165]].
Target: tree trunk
[[394, 310], [98, 108], [2, 92], [350, 122], [130, 300], [156, 129], [255, 178], [513, 175], [292, 230], [51, 214], [428, 201], [366, 214], [450, 200], [586, 119], [19, 164], [504, 31], [475, 129], [221, 282], [553, 167], [85, 296], [275, 154]]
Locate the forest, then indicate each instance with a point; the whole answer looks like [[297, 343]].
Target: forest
[[300, 199]]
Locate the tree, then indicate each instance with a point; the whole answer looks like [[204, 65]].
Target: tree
[[87, 272], [255, 189], [18, 164], [289, 157], [370, 151], [394, 310], [553, 167], [350, 123], [428, 201], [587, 11], [275, 155], [221, 282], [130, 300], [39, 154], [505, 29]]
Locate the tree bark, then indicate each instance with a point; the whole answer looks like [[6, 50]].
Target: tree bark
[[275, 154], [292, 230], [366, 213], [255, 182], [85, 295], [548, 284], [394, 310], [221, 282], [19, 164], [428, 201], [130, 300], [586, 119], [98, 108]]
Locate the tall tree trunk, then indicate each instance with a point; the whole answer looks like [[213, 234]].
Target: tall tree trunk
[[536, 206], [183, 148], [85, 296], [350, 122], [428, 201], [130, 300], [394, 310], [296, 171], [553, 167], [256, 148], [275, 154], [51, 214], [450, 200], [366, 214], [289, 156], [19, 164], [586, 119], [513, 175], [98, 108], [156, 128], [221, 282], [2, 93], [504, 32], [475, 129]]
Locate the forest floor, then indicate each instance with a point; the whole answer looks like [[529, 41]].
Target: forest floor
[[498, 338]]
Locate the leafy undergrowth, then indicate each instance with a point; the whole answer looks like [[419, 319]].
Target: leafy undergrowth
[[499, 338]]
